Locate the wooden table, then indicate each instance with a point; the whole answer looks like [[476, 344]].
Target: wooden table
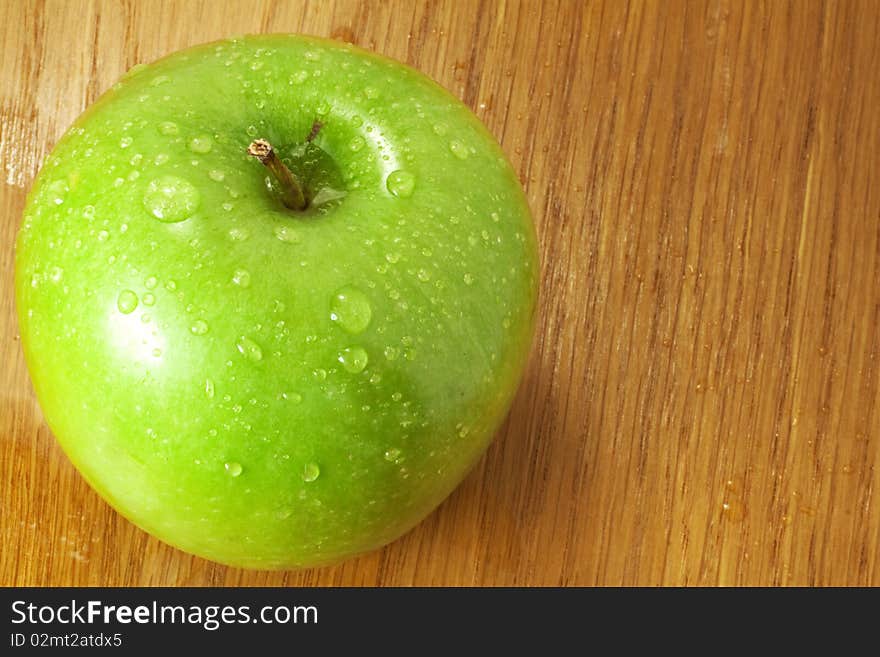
[[703, 402]]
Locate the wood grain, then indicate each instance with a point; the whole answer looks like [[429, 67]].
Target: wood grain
[[701, 406]]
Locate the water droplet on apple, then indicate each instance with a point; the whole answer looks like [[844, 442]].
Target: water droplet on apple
[[125, 142], [320, 374], [256, 66], [401, 183], [251, 131], [127, 301], [149, 299], [216, 175], [159, 80], [468, 279], [391, 353], [209, 388], [298, 78], [171, 199], [201, 144], [393, 455], [440, 129], [199, 327], [56, 274], [242, 278], [397, 396], [353, 359], [392, 258], [157, 352], [294, 397], [249, 349], [351, 309], [103, 235], [371, 92], [311, 471], [58, 190], [286, 234], [233, 469], [171, 285], [357, 143], [459, 149], [168, 128], [237, 234]]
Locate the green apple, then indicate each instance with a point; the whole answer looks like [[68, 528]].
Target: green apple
[[259, 382]]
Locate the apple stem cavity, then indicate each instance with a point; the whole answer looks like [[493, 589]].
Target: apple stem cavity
[[292, 194]]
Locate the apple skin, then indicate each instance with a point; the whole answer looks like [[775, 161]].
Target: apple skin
[[257, 387]]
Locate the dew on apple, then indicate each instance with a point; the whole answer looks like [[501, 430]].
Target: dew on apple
[[216, 175], [125, 142], [159, 80], [171, 285], [393, 455], [401, 183], [286, 234], [201, 144], [242, 278], [58, 190], [168, 128], [232, 468], [199, 327], [227, 206], [391, 353], [468, 279], [249, 349], [298, 78], [238, 234], [353, 359], [311, 471], [171, 199], [126, 302], [56, 274], [351, 309], [320, 374], [157, 352], [459, 149], [209, 389]]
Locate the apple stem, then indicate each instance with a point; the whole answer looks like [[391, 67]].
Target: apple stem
[[291, 190], [316, 128]]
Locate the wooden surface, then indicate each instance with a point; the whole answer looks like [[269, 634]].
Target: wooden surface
[[703, 402]]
